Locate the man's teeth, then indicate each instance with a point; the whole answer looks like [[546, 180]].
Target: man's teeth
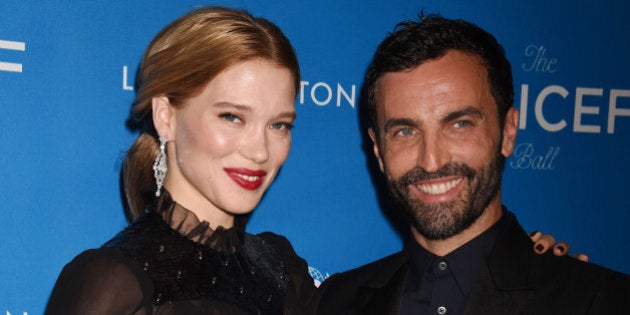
[[436, 189], [248, 178]]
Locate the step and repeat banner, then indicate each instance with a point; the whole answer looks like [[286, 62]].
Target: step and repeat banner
[[66, 85]]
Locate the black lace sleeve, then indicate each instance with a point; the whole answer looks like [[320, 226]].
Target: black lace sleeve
[[100, 281], [301, 288]]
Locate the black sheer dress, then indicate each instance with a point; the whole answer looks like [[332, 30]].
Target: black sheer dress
[[167, 262]]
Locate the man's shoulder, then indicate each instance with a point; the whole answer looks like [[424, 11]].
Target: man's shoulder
[[575, 286], [375, 274], [575, 273], [378, 267], [340, 292], [515, 251]]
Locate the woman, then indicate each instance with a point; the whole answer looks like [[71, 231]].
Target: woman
[[215, 103]]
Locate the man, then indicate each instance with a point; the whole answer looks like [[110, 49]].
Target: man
[[439, 100]]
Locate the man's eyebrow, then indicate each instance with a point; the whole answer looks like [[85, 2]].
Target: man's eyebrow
[[468, 111], [394, 122]]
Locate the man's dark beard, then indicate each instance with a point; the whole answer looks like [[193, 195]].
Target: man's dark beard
[[437, 221]]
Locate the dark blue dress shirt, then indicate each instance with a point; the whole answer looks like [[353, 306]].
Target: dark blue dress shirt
[[440, 285]]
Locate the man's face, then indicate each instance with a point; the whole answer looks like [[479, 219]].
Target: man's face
[[440, 144]]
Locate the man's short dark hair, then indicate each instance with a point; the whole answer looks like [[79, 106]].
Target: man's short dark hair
[[415, 42]]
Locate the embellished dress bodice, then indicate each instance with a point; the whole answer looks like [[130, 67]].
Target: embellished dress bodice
[[171, 263]]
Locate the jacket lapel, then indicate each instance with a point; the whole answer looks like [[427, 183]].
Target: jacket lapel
[[383, 293], [505, 284]]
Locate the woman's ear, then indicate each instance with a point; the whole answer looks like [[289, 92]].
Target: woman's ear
[[163, 117]]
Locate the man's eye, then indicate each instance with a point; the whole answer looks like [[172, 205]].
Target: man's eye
[[462, 124], [404, 132]]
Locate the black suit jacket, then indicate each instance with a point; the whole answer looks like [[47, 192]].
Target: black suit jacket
[[514, 280]]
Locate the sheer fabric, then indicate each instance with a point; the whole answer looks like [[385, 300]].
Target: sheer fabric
[[168, 262]]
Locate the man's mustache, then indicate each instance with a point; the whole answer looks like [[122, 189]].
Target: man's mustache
[[452, 169]]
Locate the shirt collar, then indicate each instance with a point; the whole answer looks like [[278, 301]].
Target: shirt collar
[[464, 262]]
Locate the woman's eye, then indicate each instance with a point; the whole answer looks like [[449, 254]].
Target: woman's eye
[[282, 126], [230, 117]]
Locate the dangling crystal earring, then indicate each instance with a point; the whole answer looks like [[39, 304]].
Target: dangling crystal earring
[[160, 167]]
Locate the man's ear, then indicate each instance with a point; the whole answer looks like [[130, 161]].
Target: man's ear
[[377, 153], [509, 132], [163, 117]]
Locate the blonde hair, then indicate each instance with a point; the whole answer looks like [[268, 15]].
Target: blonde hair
[[178, 63]]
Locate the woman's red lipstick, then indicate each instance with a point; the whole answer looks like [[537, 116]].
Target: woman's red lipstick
[[246, 178]]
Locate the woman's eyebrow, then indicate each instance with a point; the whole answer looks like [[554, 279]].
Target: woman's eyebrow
[[240, 107]]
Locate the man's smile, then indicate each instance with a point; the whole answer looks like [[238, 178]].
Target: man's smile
[[438, 188]]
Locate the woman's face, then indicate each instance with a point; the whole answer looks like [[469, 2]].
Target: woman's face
[[227, 143]]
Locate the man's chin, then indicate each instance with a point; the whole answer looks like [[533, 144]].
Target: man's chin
[[443, 225], [435, 234]]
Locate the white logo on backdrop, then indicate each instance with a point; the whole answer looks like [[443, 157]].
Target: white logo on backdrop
[[23, 313], [318, 277], [321, 93], [125, 83], [539, 61], [586, 105], [587, 102], [526, 157], [11, 45]]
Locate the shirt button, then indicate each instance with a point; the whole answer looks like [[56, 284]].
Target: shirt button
[[442, 265], [441, 310]]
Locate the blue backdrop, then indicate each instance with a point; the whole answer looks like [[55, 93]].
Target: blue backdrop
[[66, 71]]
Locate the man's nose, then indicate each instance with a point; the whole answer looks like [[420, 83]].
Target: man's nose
[[433, 153]]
